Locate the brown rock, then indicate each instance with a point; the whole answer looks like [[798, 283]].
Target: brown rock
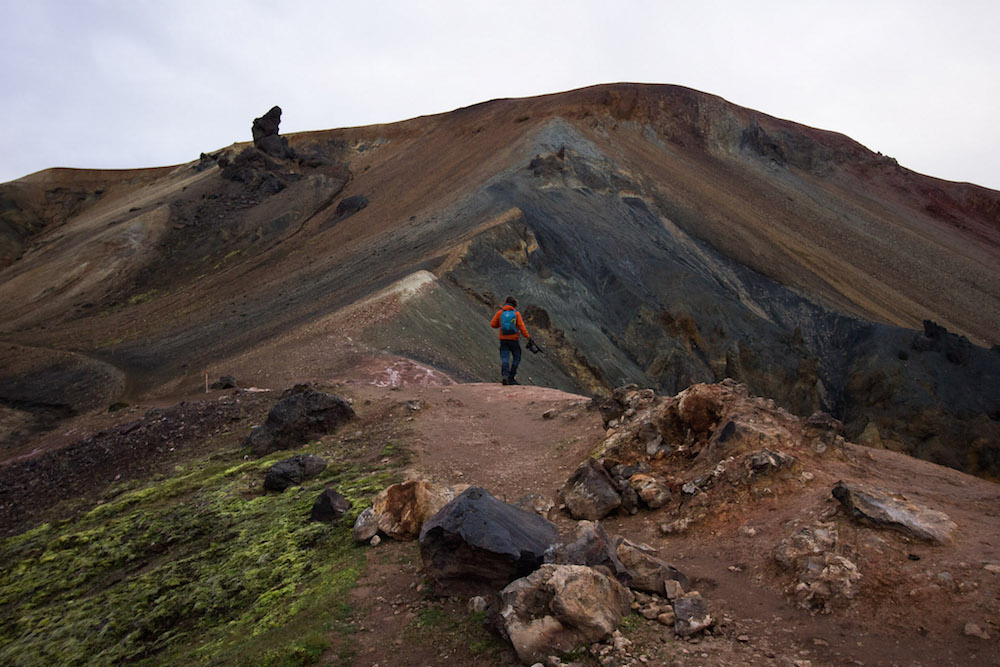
[[402, 509], [653, 490], [648, 572], [558, 608], [700, 408]]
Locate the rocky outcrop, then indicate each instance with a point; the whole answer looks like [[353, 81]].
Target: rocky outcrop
[[301, 415], [265, 135], [477, 541], [351, 205], [590, 493], [823, 578], [558, 608], [329, 506], [878, 508], [401, 509], [293, 471]]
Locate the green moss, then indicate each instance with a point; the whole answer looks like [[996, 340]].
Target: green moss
[[435, 626], [191, 568], [136, 299]]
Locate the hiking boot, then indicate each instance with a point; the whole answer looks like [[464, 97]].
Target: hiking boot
[[505, 381], [512, 381]]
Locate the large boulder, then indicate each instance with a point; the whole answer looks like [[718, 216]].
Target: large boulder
[[301, 415], [477, 541], [646, 570], [592, 546], [878, 508], [293, 471], [558, 608], [401, 509], [590, 492]]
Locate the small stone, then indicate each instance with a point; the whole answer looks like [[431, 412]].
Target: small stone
[[649, 613], [549, 414], [667, 618], [674, 589], [375, 541], [477, 604], [995, 569], [808, 476], [973, 630], [743, 638]]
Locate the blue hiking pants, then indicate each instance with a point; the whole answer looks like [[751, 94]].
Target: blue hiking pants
[[509, 348]]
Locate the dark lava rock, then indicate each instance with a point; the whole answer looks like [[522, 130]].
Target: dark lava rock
[[766, 461], [293, 471], [265, 135], [352, 205], [225, 382], [329, 506], [303, 414], [593, 547], [247, 166], [590, 493], [477, 541]]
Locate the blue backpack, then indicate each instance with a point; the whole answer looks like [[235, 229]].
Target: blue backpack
[[508, 322]]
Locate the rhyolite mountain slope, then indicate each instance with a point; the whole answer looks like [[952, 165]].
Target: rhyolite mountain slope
[[653, 234]]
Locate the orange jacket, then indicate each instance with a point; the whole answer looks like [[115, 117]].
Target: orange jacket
[[495, 323]]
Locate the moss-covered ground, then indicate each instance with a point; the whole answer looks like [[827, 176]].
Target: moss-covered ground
[[198, 567]]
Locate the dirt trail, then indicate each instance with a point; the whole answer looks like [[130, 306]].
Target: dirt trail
[[497, 437]]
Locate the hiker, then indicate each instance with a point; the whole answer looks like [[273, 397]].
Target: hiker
[[509, 322]]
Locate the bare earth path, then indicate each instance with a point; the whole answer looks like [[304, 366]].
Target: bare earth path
[[519, 440]]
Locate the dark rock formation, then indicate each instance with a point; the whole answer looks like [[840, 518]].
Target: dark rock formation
[[590, 492], [225, 382], [301, 415], [265, 135], [477, 541], [329, 506], [293, 471], [878, 508], [351, 205]]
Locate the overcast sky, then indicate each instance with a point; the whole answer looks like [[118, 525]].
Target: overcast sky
[[138, 83]]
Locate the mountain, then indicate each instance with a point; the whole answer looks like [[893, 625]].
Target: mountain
[[653, 234]]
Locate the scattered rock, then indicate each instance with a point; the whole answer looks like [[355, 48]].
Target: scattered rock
[[293, 471], [593, 547], [653, 490], [477, 540], [302, 414], [375, 541], [765, 461], [692, 614], [879, 508], [647, 571], [673, 589], [365, 526], [477, 604], [589, 493], [329, 506], [974, 630], [402, 509], [558, 608], [989, 567]]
